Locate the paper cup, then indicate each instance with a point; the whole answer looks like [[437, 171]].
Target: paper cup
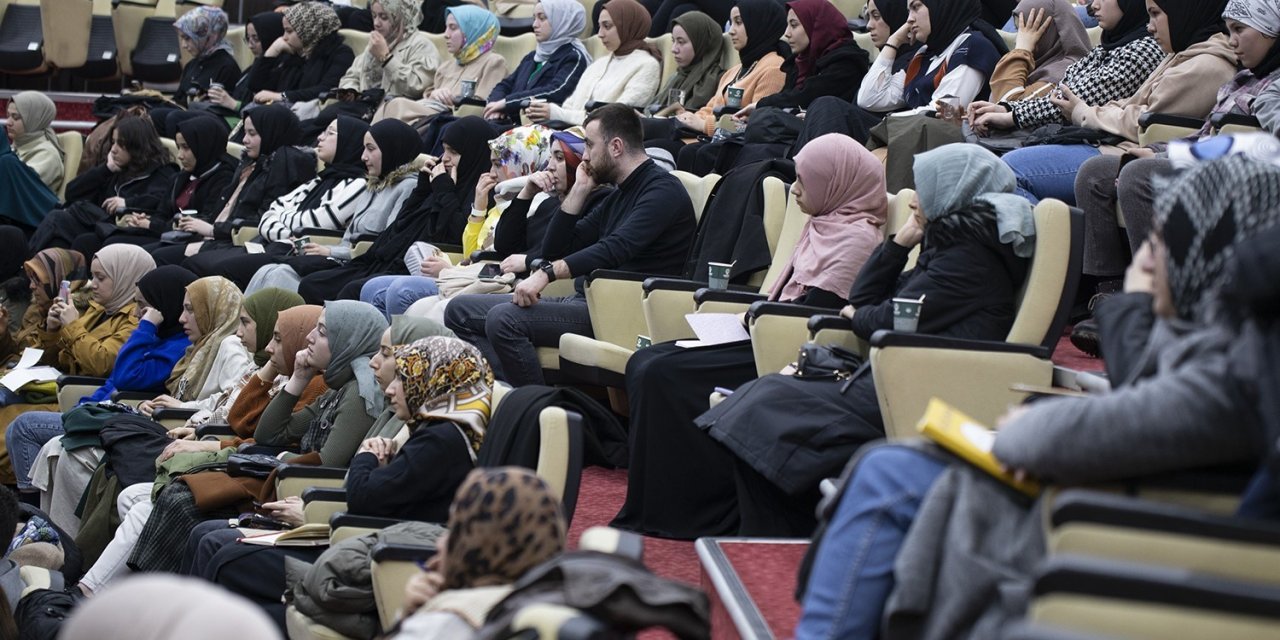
[[733, 97], [906, 314], [643, 342], [718, 275], [468, 88]]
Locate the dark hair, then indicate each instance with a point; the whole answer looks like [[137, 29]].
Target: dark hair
[[619, 121], [139, 137], [10, 514]]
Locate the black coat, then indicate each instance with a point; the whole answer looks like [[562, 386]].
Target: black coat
[[219, 66], [145, 193], [838, 73], [204, 200], [279, 174], [519, 232], [302, 79], [419, 481], [731, 228]]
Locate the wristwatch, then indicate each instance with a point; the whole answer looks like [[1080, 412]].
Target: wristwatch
[[545, 266]]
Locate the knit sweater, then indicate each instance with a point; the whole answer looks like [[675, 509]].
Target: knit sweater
[[764, 78], [333, 212], [1098, 78], [374, 211], [1185, 84], [410, 69], [631, 79], [230, 364]]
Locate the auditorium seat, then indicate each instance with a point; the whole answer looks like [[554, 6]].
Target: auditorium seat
[[22, 38]]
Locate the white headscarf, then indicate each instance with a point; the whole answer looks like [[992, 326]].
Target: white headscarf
[[568, 19], [1263, 15]]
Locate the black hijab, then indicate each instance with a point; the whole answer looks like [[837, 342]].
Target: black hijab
[[277, 126], [398, 142], [1132, 26], [11, 260], [269, 26], [468, 136], [893, 12], [208, 141], [950, 18], [1193, 21], [163, 288], [350, 146], [765, 21]]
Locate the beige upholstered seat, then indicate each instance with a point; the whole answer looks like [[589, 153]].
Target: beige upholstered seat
[[72, 149]]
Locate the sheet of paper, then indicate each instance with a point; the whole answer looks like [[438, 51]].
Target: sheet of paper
[[717, 328], [30, 356], [15, 379]]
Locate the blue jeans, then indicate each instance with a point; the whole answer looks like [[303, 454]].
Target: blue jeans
[[1048, 170], [509, 335], [392, 295], [853, 571], [24, 437]]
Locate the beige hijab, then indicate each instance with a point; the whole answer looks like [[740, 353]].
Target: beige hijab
[[124, 264], [215, 301], [37, 112]]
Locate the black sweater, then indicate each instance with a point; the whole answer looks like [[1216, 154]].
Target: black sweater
[[519, 232], [645, 226], [839, 73], [219, 66], [211, 184], [145, 193], [303, 79], [419, 481]]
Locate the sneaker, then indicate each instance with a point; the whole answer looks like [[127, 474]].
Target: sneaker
[[1085, 337]]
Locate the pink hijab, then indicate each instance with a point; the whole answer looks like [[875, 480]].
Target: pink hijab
[[845, 188]]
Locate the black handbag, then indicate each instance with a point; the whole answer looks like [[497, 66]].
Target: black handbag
[[826, 362], [251, 465]]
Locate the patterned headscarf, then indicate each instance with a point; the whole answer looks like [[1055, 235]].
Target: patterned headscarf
[[523, 150], [37, 112], [406, 15], [207, 28], [1203, 213], [479, 31], [294, 325], [124, 264], [355, 334], [447, 379], [567, 19], [48, 269], [1262, 15], [215, 301], [503, 522], [264, 306], [953, 177], [312, 21]]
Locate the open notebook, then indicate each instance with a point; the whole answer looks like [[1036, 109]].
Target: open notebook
[[963, 436], [308, 535]]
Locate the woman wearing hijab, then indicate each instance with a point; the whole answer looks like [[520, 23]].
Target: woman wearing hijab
[[975, 238], [202, 34], [327, 202], [1253, 26], [1111, 71], [391, 144], [551, 71], [436, 212], [469, 35], [617, 77], [114, 616], [45, 274], [1049, 41], [825, 61], [30, 115], [225, 102], [697, 44], [1175, 372], [755, 30], [206, 172], [311, 55], [677, 472], [399, 60], [271, 167], [477, 561], [142, 364], [1198, 60], [959, 53]]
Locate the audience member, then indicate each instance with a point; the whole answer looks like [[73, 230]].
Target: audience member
[[551, 71], [1050, 39], [31, 115]]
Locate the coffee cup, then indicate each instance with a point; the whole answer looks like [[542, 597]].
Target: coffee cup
[[906, 314], [733, 97], [718, 275], [468, 89], [643, 341]]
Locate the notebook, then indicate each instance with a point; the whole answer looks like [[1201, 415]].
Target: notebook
[[308, 535], [963, 436]]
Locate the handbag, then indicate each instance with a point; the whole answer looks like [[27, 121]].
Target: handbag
[[826, 362], [251, 465]]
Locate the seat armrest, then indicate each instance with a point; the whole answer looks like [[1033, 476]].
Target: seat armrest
[[308, 471], [388, 552], [704, 295], [1219, 120], [321, 233], [829, 322], [672, 284], [344, 519], [68, 380], [324, 494], [613, 274], [173, 413], [137, 396], [885, 338], [1149, 118], [1081, 506], [212, 429], [785, 309]]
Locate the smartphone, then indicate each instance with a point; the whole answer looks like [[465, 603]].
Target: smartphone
[[299, 243], [64, 291], [490, 271]]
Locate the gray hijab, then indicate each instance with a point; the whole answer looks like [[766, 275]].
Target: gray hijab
[[955, 176], [355, 331]]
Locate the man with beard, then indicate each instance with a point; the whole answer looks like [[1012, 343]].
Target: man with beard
[[646, 225]]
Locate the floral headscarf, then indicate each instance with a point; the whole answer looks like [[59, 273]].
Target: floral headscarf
[[207, 28], [447, 379], [523, 150], [216, 303], [503, 522], [479, 31], [312, 21]]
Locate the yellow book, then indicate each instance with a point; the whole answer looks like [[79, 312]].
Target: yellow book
[[963, 436], [308, 535]]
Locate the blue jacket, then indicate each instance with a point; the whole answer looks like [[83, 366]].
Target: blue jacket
[[553, 81], [144, 363]]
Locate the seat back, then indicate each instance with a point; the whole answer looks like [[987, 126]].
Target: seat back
[[442, 49], [864, 41], [663, 44], [560, 455], [699, 189], [899, 212], [72, 149], [156, 56], [595, 47], [728, 55], [126, 20], [789, 230], [240, 47], [513, 49], [22, 38], [617, 310], [357, 40], [774, 191], [66, 25], [1095, 35], [1049, 290], [850, 8], [172, 146]]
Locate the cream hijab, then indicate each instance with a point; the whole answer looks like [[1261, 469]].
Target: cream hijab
[[124, 264]]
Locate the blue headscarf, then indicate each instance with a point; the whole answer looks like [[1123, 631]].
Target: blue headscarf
[[479, 31]]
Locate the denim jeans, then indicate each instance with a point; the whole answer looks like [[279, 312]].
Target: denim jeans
[[26, 434], [1048, 170], [509, 335], [853, 571], [392, 295]]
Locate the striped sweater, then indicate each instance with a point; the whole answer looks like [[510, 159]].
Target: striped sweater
[[283, 219]]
